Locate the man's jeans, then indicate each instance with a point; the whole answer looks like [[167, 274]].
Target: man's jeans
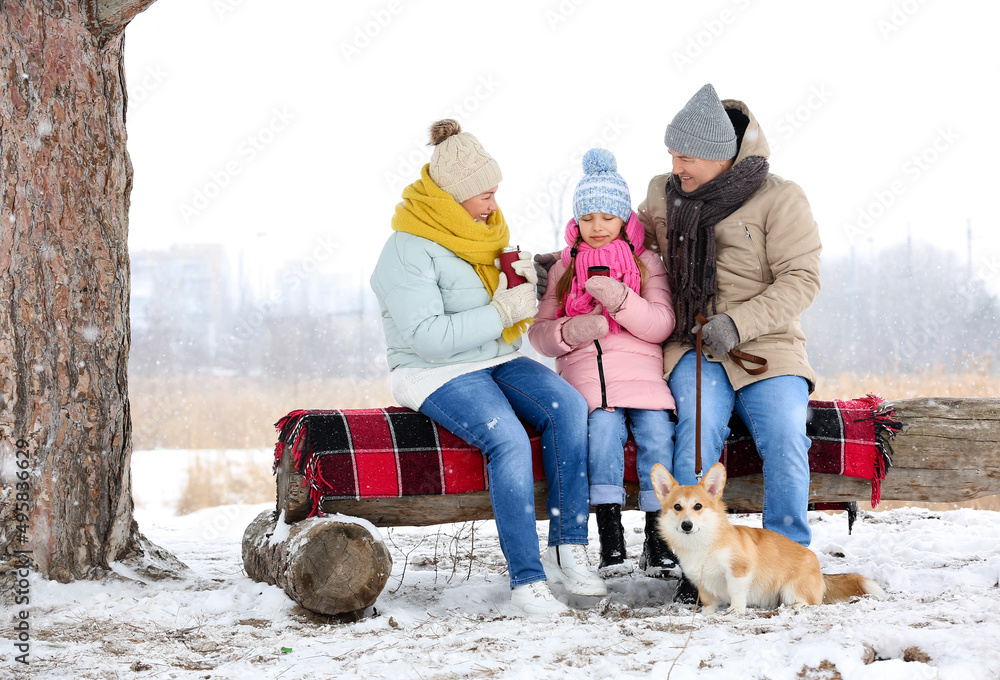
[[653, 432], [774, 410], [485, 408]]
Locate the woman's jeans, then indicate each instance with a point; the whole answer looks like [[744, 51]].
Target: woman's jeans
[[486, 408], [653, 432], [774, 410]]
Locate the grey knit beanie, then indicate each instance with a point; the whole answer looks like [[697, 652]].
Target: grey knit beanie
[[460, 164], [702, 129]]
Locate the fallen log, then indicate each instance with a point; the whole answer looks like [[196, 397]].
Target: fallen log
[[327, 565], [947, 451]]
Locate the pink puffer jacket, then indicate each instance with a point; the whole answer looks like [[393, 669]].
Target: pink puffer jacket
[[632, 360]]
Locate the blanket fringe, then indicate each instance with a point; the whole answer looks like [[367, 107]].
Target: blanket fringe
[[886, 427], [292, 433]]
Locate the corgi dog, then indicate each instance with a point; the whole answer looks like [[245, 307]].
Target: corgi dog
[[738, 564]]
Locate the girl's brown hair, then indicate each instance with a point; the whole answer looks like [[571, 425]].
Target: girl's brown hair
[[566, 280]]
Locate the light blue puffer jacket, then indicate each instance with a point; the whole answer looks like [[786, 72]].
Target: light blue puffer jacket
[[435, 310]]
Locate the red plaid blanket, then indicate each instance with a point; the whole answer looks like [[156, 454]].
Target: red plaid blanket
[[394, 451]]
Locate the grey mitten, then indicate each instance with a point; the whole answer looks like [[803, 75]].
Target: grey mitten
[[585, 328], [719, 333], [608, 292], [514, 304], [543, 263]]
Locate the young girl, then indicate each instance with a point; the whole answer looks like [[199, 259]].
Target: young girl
[[605, 332]]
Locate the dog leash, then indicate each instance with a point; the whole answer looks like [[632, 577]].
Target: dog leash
[[697, 408], [738, 357]]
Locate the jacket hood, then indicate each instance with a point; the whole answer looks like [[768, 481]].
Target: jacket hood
[[749, 136]]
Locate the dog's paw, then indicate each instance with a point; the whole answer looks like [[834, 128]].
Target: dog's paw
[[736, 610], [708, 610]]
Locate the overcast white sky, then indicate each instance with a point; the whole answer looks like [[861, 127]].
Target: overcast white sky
[[289, 129]]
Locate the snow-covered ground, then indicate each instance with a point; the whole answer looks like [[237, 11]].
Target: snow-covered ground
[[442, 616]]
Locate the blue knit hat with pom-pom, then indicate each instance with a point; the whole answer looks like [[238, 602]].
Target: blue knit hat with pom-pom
[[602, 189]]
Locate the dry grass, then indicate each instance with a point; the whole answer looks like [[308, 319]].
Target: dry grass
[[221, 482], [232, 412], [980, 381]]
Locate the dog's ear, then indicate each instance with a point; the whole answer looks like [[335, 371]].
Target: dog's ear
[[714, 480], [663, 481]]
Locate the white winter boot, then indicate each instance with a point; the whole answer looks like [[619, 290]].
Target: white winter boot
[[536, 599], [569, 565]]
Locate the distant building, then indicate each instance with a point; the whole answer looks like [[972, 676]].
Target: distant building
[[180, 302], [320, 293]]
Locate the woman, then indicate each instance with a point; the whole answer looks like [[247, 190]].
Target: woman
[[453, 329]]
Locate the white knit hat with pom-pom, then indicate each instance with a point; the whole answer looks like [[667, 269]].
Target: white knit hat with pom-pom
[[460, 164], [602, 189]]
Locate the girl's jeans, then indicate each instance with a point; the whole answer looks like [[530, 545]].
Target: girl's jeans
[[653, 432]]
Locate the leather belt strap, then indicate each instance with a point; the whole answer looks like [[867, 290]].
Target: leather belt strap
[[736, 355]]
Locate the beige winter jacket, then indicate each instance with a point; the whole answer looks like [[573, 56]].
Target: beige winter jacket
[[767, 254]]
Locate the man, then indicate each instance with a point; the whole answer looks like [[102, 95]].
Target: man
[[742, 248]]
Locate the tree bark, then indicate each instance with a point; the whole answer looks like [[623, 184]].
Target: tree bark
[[64, 291], [328, 566]]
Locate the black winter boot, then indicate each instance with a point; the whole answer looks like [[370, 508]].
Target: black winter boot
[[687, 592], [614, 559], [657, 559]]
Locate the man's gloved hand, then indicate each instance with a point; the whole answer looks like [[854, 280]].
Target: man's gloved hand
[[542, 264], [514, 304], [719, 333], [585, 328], [608, 292]]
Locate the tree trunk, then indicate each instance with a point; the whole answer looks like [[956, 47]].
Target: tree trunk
[[327, 566], [65, 427]]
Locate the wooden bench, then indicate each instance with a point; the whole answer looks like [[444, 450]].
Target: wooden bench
[[948, 450]]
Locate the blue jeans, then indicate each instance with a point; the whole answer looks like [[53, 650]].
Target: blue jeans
[[485, 408], [653, 432], [774, 410]]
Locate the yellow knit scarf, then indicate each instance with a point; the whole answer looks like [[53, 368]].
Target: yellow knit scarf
[[432, 213]]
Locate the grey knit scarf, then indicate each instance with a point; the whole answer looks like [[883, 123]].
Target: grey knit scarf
[[691, 220]]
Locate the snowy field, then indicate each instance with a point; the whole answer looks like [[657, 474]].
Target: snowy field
[[443, 615]]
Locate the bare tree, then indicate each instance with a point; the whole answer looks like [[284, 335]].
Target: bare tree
[[65, 427]]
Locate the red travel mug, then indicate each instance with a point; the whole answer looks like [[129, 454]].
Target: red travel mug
[[510, 255], [598, 270]]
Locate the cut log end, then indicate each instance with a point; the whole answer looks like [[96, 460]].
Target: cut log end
[[328, 566]]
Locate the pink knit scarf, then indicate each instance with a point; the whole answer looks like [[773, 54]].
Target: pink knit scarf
[[616, 255]]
